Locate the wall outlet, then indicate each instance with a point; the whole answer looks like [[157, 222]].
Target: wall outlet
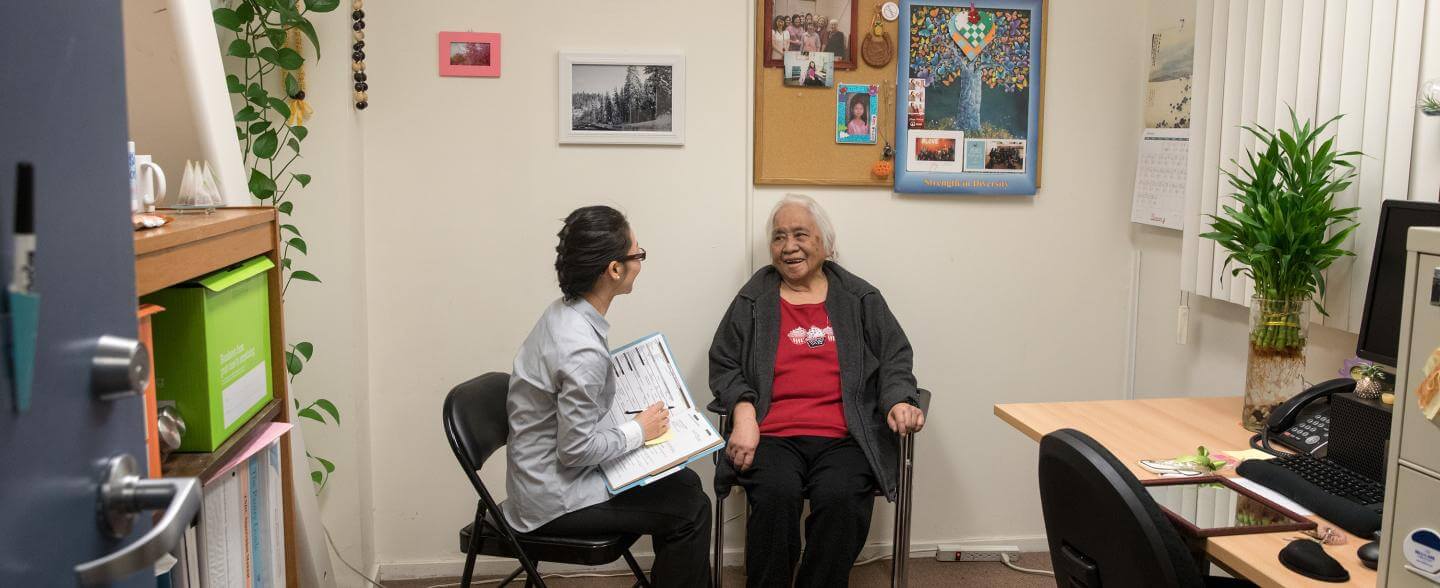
[[975, 552]]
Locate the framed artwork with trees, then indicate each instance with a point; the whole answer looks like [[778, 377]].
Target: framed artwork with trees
[[622, 99]]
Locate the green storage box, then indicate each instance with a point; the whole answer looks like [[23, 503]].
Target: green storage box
[[212, 351]]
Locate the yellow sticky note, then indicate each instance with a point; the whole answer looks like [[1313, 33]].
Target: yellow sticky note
[[669, 434]]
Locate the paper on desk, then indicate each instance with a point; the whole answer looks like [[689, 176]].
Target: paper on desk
[[1273, 496]]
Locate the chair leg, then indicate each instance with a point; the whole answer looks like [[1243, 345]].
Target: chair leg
[[717, 574], [511, 577], [900, 571], [474, 547], [640, 579]]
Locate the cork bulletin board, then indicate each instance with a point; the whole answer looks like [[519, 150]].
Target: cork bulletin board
[[795, 126]]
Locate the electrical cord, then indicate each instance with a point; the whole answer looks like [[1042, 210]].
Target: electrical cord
[[1005, 559], [342, 558]]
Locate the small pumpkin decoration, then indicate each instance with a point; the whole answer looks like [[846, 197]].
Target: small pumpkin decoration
[[885, 166]]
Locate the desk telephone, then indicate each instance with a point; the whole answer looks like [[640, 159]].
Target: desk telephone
[[1303, 422]]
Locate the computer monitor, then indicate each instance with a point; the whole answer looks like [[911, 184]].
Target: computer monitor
[[1380, 324]]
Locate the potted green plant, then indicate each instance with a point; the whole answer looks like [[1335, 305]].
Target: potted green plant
[[1285, 233]]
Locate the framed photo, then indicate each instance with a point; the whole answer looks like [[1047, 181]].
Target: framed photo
[[972, 76], [470, 54], [809, 69], [810, 26], [856, 118], [622, 99]]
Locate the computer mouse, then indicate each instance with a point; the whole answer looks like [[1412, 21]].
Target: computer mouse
[[1369, 554]]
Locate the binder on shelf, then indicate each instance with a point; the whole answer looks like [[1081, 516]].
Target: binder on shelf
[[241, 534]]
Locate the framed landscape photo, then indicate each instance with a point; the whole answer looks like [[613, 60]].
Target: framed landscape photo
[[973, 76], [622, 99], [470, 54], [810, 26]]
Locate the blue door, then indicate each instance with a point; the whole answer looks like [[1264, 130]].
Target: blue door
[[62, 112]]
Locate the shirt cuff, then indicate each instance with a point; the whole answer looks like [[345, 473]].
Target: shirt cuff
[[634, 435]]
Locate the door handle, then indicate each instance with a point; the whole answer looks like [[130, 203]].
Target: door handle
[[124, 493], [120, 368]]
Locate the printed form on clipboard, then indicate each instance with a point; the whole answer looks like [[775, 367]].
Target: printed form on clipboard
[[645, 373]]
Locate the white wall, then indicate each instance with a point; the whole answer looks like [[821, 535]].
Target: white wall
[[465, 188], [462, 210], [331, 214]]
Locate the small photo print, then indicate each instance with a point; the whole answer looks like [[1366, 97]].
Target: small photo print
[[856, 119], [975, 154], [469, 53], [915, 103], [809, 68], [935, 151], [1005, 155]]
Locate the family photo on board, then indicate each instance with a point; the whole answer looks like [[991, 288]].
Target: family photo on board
[[810, 26]]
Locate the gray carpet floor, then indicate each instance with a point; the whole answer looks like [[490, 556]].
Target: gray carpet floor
[[923, 573]]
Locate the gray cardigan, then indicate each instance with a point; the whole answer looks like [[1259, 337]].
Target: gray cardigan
[[874, 376]]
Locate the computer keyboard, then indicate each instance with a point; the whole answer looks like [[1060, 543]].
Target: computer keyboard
[[1334, 479], [1329, 497]]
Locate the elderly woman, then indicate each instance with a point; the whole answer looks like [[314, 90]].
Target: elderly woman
[[815, 371]]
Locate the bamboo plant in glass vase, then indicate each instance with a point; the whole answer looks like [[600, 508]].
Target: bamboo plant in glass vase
[[1285, 232]]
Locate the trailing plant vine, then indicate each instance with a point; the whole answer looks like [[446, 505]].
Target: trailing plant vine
[[271, 144]]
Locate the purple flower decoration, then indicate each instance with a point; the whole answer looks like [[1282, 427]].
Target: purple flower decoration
[[1347, 370]]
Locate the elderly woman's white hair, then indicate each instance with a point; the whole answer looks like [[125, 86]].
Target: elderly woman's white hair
[[822, 220]]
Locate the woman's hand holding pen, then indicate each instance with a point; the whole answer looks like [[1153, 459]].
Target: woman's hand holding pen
[[654, 420]]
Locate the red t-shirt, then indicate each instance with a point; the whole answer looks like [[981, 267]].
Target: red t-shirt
[[805, 399]]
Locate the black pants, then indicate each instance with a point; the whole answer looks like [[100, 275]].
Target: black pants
[[674, 512], [835, 477]]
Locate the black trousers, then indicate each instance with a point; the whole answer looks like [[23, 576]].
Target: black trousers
[[835, 477], [674, 512]]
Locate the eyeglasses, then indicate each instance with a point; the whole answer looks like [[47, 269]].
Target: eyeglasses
[[634, 256]]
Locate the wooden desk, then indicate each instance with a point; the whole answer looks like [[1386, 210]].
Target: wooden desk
[[1170, 427]]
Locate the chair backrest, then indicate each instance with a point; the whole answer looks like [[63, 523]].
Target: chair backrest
[[476, 422], [1103, 527]]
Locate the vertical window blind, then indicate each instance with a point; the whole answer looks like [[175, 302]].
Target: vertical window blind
[[1256, 59]]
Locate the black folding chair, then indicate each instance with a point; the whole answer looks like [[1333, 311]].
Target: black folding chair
[[900, 573], [476, 425]]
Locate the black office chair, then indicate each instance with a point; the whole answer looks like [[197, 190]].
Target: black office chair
[[476, 425], [1104, 528], [725, 479]]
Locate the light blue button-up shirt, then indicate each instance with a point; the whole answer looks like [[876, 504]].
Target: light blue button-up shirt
[[560, 388]]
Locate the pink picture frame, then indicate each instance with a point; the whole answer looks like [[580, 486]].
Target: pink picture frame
[[475, 55]]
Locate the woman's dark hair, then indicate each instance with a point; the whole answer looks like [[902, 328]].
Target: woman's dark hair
[[864, 101], [592, 237]]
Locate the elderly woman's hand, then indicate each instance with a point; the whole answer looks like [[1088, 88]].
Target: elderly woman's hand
[[905, 418], [744, 436]]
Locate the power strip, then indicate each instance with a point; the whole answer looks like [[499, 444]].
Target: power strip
[[975, 552]]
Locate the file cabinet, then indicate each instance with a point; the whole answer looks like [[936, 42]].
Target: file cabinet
[[1412, 473]]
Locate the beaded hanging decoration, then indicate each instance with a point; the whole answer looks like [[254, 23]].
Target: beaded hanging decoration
[[357, 65], [300, 109]]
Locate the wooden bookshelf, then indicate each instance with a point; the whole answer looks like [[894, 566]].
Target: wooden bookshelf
[[203, 465], [195, 244]]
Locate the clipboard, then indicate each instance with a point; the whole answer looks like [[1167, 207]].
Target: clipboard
[[645, 372]]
